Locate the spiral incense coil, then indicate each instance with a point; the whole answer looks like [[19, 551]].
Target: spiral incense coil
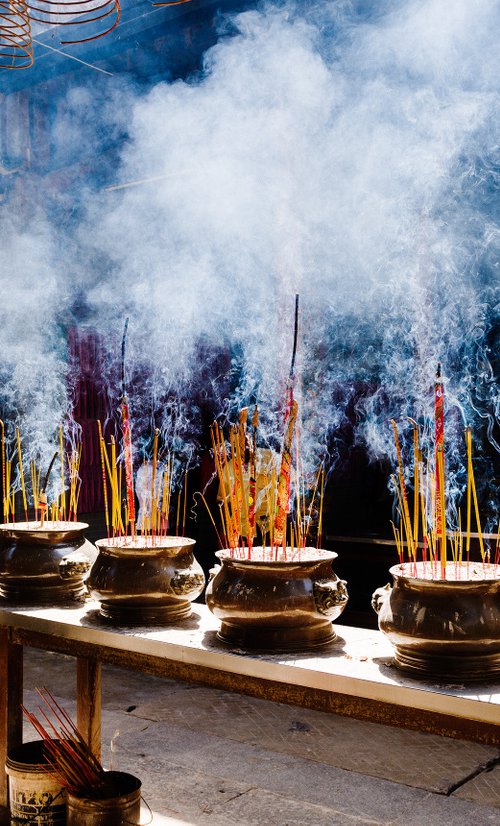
[[81, 12], [16, 48]]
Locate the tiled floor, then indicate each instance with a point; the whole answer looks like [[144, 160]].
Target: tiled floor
[[207, 756]]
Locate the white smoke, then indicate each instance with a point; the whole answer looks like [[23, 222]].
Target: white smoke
[[34, 369], [339, 150], [327, 152]]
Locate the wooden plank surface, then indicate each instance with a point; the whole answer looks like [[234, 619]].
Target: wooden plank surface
[[88, 701], [352, 676]]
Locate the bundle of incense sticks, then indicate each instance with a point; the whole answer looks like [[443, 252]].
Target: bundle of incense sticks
[[424, 536], [69, 758], [243, 492], [236, 466], [64, 507], [156, 519], [117, 471]]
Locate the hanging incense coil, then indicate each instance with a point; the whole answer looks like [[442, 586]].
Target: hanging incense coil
[[16, 47], [81, 12]]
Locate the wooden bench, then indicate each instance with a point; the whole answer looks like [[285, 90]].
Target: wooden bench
[[353, 676]]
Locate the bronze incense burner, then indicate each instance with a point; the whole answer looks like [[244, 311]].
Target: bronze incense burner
[[44, 565], [445, 629], [276, 601], [146, 580]]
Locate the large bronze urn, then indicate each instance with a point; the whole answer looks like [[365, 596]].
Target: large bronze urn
[[146, 580], [276, 600], [446, 629], [44, 564]]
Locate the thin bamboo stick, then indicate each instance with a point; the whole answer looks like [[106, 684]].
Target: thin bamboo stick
[[185, 502], [402, 485], [21, 472], [474, 493], [4, 471], [63, 483], [153, 483], [103, 455]]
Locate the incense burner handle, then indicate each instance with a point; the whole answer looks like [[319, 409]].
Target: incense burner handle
[[75, 564], [213, 573], [330, 596], [184, 583], [380, 597]]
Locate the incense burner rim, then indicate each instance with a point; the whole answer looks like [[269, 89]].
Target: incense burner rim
[[409, 578], [32, 530], [318, 555], [167, 543]]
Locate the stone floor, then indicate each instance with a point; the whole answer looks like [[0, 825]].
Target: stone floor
[[207, 757]]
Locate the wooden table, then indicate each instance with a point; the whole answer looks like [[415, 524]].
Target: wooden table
[[353, 676]]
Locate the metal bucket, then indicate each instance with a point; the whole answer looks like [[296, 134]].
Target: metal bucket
[[123, 808], [34, 795]]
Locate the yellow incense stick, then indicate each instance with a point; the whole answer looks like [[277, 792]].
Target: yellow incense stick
[[235, 516], [116, 490], [238, 458], [21, 471], [185, 502], [227, 521], [406, 526], [165, 505], [63, 484], [425, 533], [440, 497], [4, 485], [7, 499], [104, 459], [402, 485], [153, 481], [416, 482], [74, 464], [311, 504], [397, 540], [474, 493], [242, 428], [272, 512], [178, 512], [211, 517], [321, 503], [33, 485], [298, 509]]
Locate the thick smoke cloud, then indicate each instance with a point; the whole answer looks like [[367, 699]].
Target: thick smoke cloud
[[344, 151], [33, 371]]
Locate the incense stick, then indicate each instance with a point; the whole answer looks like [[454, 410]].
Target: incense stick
[[21, 472], [127, 443], [4, 473]]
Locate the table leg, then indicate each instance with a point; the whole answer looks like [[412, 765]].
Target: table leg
[[88, 701], [11, 697]]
